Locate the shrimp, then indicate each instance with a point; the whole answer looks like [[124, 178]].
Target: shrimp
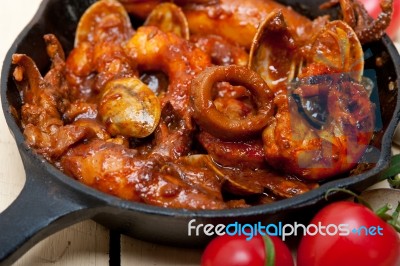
[[153, 49], [98, 56], [295, 146], [221, 51], [119, 171]]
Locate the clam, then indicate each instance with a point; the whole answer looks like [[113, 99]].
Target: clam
[[248, 182], [280, 58], [273, 53], [198, 171], [169, 18], [129, 107], [105, 20], [256, 182], [338, 48], [232, 182]]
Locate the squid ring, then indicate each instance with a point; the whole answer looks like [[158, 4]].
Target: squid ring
[[219, 124]]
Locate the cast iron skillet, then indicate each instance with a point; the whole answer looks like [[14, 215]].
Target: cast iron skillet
[[51, 201]]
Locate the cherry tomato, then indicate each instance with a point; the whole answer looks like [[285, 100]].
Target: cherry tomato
[[236, 250], [373, 242], [373, 8]]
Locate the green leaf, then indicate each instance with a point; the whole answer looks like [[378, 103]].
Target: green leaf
[[392, 171]]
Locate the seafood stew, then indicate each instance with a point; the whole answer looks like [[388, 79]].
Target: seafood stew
[[174, 114]]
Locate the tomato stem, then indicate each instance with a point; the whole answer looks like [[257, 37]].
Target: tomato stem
[[351, 193], [394, 221], [394, 181], [382, 212], [269, 251]]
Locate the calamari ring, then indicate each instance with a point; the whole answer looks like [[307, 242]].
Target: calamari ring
[[218, 123]]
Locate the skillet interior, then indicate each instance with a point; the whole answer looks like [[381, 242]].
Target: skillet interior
[[169, 226]]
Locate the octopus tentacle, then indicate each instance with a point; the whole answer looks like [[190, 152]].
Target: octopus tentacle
[[368, 29], [355, 14]]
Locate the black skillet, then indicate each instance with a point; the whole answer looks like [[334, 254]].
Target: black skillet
[[51, 201]]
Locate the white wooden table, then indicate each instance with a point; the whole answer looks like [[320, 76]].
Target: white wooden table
[[86, 243]]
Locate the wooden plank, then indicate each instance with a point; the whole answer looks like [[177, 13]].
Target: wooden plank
[[83, 244], [149, 254]]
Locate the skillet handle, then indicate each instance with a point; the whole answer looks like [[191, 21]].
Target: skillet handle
[[42, 208]]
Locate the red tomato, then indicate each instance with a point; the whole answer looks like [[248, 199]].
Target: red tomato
[[236, 250], [367, 249], [373, 7]]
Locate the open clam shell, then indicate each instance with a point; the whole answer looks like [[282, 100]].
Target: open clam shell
[[273, 51], [103, 20], [338, 48], [278, 57], [169, 18]]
